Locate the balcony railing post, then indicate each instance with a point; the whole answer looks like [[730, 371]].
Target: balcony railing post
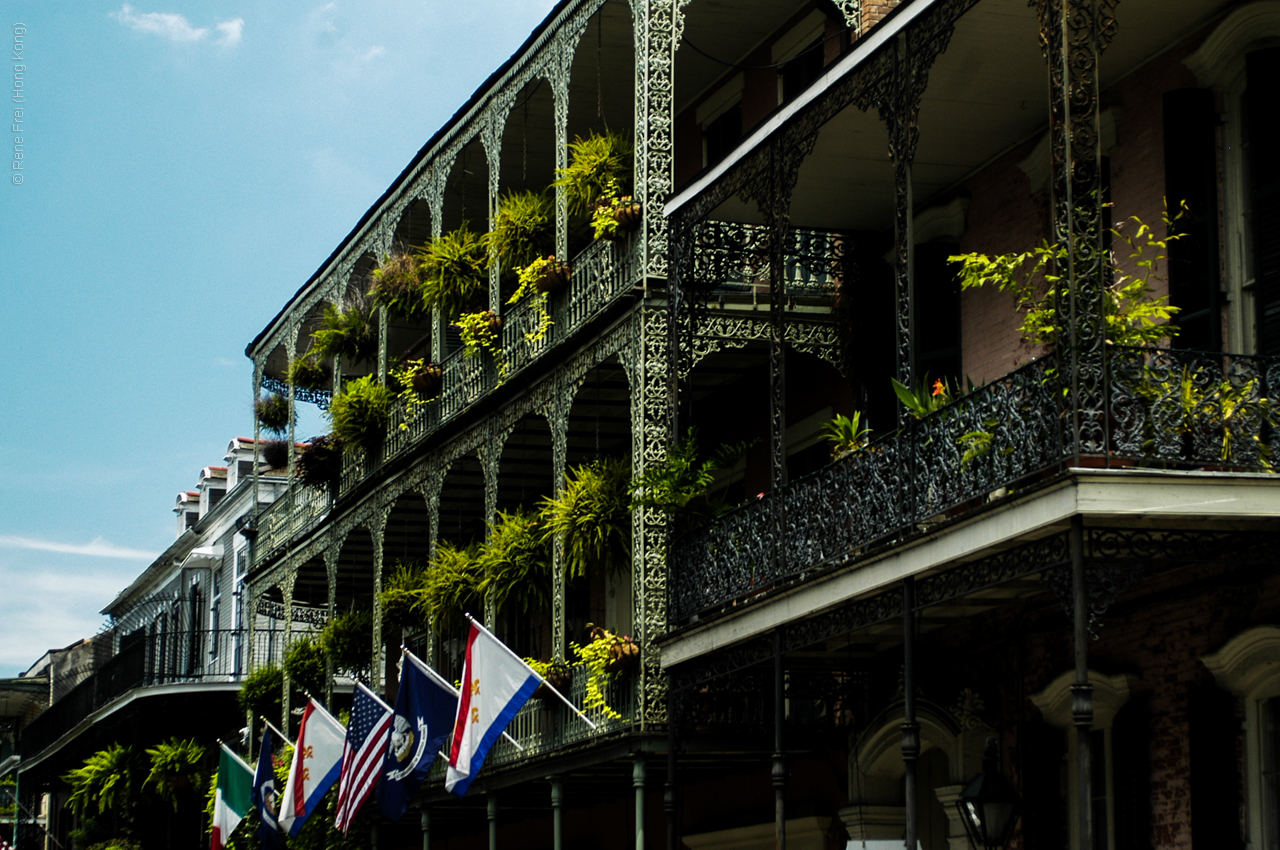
[[1073, 35]]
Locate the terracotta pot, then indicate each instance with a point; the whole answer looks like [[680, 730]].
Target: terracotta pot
[[427, 380], [628, 217], [495, 323], [555, 277], [623, 655]]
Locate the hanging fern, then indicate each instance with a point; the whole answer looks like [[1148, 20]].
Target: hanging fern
[[455, 272], [318, 463], [260, 692], [348, 641], [515, 562], [310, 373], [273, 413], [175, 768], [523, 230], [349, 331], [105, 782], [305, 666], [360, 412], [397, 286], [402, 597], [592, 515], [599, 169], [452, 586]]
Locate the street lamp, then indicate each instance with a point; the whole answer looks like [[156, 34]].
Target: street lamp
[[989, 805]]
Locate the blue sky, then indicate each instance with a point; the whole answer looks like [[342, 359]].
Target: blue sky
[[187, 166]]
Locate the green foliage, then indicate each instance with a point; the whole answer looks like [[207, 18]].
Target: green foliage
[[455, 272], [8, 793], [115, 844], [105, 782], [603, 220], [523, 229], [397, 287], [592, 516], [479, 331], [514, 562], [452, 585], [348, 641], [273, 413], [318, 463], [846, 435], [304, 664], [402, 598], [595, 655], [349, 331], [599, 168], [360, 412], [681, 485], [245, 835], [175, 768], [529, 278], [261, 692], [1133, 315], [925, 398], [1229, 404], [310, 373]]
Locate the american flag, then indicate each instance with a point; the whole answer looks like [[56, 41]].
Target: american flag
[[362, 754]]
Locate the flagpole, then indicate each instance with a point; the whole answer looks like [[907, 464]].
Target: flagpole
[[543, 679], [234, 755], [275, 729], [379, 699], [444, 683]]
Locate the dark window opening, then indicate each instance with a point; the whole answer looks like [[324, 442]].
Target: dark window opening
[[723, 134], [1098, 790], [799, 72], [1191, 177], [1262, 157], [937, 313]]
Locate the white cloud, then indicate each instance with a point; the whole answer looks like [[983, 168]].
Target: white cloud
[[321, 18], [176, 27], [97, 547], [230, 31], [374, 51]]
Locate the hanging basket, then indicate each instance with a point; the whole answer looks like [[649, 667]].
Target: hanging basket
[[628, 217], [624, 654], [559, 677], [555, 277], [427, 381]]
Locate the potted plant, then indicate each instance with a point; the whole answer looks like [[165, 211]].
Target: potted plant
[[451, 586], [524, 228], [846, 435], [596, 656], [401, 598], [305, 664], [310, 372], [557, 674], [319, 462], [455, 271], [175, 768], [599, 166], [613, 218], [591, 515], [360, 412], [259, 693], [397, 287], [275, 453], [680, 486]]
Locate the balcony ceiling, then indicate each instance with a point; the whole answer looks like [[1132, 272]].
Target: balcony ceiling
[[987, 93]]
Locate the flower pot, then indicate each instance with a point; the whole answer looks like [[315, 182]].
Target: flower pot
[[624, 654], [628, 217], [559, 678], [426, 381], [555, 277], [495, 323]]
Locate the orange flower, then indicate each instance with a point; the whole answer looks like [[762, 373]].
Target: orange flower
[[939, 388]]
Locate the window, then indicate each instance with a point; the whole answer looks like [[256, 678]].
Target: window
[[722, 134], [1262, 203], [937, 308], [799, 72], [242, 562]]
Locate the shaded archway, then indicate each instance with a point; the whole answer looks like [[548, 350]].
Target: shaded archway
[[525, 476]]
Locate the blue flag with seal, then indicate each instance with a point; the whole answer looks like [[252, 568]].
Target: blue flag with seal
[[265, 796], [425, 710]]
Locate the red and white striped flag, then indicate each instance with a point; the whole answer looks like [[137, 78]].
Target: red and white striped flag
[[362, 754]]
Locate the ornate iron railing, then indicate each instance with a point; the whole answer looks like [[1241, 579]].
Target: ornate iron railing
[[162, 658], [989, 438], [320, 398], [1165, 409], [733, 257], [1192, 408], [294, 512], [545, 725]]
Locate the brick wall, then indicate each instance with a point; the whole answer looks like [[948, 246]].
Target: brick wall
[[874, 10]]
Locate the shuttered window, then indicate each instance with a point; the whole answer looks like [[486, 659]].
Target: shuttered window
[[1262, 161], [1191, 178]]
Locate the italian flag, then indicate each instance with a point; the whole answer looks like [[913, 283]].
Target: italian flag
[[232, 801]]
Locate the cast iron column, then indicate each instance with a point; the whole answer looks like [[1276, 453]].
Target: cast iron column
[[637, 781], [910, 729], [493, 822], [779, 760], [1081, 690], [426, 829], [557, 813]]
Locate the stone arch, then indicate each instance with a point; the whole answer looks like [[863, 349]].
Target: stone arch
[[950, 753]]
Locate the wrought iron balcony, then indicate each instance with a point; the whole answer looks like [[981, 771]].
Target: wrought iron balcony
[[1164, 409], [294, 512], [165, 658], [728, 257]]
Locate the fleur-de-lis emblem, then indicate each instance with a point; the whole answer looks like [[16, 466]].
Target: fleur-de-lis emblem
[[475, 687], [475, 715]]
